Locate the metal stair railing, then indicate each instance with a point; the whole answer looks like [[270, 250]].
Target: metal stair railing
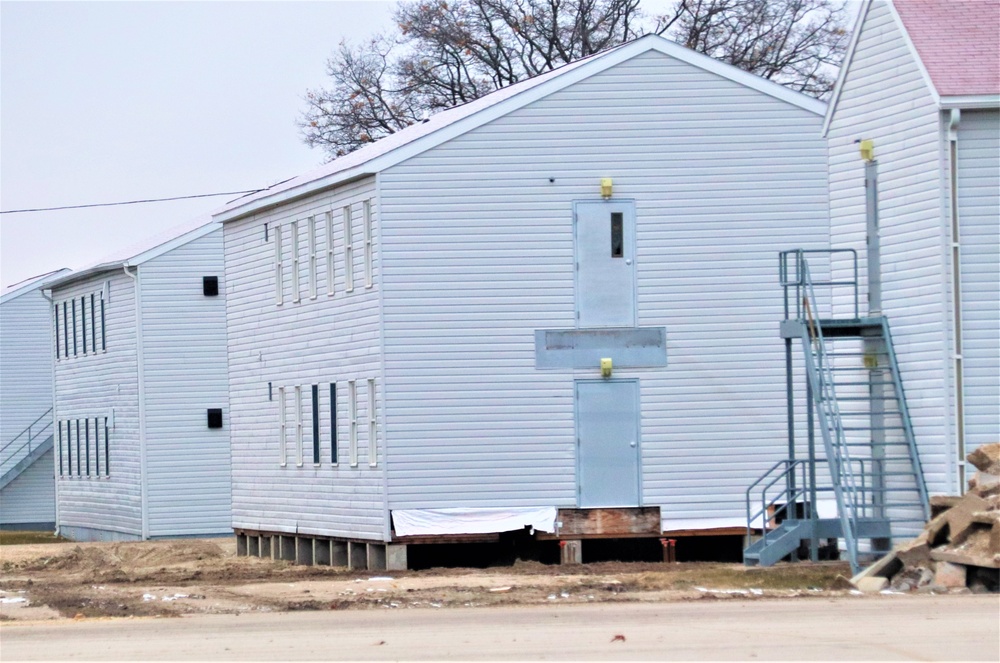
[[821, 375], [904, 415], [788, 496], [33, 433]]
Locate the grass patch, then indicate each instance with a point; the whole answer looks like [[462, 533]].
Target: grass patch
[[19, 537], [799, 576]]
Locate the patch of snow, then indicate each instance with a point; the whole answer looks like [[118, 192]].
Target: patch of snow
[[13, 599]]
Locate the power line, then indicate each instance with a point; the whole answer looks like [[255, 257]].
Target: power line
[[128, 202]]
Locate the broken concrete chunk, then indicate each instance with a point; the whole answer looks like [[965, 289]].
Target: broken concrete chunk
[[916, 552], [986, 458], [937, 530], [960, 515], [949, 575], [886, 567], [984, 485], [941, 503], [872, 584]]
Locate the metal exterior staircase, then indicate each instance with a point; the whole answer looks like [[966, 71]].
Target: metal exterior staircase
[[855, 394], [26, 448]]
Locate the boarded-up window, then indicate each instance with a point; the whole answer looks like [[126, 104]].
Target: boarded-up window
[[348, 251], [352, 405], [368, 243], [372, 428]]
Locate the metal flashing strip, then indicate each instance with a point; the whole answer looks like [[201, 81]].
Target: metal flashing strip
[[631, 347]]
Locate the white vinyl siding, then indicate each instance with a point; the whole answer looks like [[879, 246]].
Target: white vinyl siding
[[979, 228], [884, 98], [26, 323], [476, 254], [104, 385], [30, 498], [340, 338], [185, 373]]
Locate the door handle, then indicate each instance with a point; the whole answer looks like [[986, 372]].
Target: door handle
[[632, 443]]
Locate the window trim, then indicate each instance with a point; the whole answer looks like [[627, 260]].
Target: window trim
[[69, 448], [75, 349], [279, 266], [97, 447], [104, 328], [83, 321], [369, 255], [296, 268], [348, 251], [298, 426], [334, 450], [55, 307], [352, 399], [282, 428], [93, 325], [65, 329], [315, 424], [372, 425], [329, 255], [86, 433], [311, 246], [107, 449], [78, 465]]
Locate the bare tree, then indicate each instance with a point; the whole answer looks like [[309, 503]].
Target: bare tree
[[446, 53], [798, 43]]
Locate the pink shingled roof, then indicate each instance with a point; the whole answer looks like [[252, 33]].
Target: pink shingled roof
[[958, 42]]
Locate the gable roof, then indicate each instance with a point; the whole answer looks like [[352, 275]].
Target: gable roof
[[453, 122], [955, 44], [144, 250], [958, 42], [31, 284]]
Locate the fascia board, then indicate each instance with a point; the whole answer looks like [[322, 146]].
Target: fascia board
[[306, 189], [75, 277], [38, 283], [852, 47], [971, 102]]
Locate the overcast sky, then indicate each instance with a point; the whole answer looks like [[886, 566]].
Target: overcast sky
[[110, 101]]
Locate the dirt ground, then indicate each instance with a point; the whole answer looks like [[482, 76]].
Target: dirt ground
[[204, 576]]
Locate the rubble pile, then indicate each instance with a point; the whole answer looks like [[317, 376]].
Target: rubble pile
[[959, 547]]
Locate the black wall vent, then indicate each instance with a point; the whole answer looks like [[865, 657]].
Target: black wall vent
[[215, 417], [210, 286]]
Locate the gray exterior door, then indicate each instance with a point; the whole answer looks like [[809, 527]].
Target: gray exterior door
[[607, 421], [605, 263]]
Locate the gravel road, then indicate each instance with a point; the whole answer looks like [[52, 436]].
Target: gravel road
[[847, 628]]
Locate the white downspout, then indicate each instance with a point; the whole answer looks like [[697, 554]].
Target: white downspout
[[47, 294], [144, 505], [956, 295]]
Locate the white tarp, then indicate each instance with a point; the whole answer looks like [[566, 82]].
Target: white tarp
[[422, 522]]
